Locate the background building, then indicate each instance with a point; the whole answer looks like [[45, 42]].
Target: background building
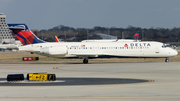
[[5, 33]]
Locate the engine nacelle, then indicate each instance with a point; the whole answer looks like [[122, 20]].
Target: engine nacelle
[[54, 50]]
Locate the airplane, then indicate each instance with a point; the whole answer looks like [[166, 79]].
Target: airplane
[[136, 36], [90, 50], [133, 39], [114, 40], [4, 47]]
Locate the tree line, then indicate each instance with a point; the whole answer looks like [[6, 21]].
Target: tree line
[[78, 34]]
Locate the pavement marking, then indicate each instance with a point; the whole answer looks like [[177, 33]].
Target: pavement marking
[[151, 80], [60, 68]]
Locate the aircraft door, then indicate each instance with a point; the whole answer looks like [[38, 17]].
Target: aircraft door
[[157, 50]]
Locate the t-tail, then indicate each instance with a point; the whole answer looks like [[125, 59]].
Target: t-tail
[[24, 34], [136, 36]]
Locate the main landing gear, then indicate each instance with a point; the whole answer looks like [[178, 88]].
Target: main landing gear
[[167, 59], [85, 61]]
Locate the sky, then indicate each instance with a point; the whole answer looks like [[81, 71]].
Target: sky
[[46, 14]]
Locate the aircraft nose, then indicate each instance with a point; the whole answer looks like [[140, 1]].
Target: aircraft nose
[[174, 53]]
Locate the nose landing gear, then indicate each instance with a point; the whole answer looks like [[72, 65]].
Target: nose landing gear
[[167, 59]]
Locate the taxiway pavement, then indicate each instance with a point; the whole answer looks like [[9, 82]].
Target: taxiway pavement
[[94, 81]]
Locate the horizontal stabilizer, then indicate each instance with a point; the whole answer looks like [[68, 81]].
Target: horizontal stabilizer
[[16, 27]]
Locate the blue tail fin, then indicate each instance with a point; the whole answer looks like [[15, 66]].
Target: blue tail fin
[[24, 35]]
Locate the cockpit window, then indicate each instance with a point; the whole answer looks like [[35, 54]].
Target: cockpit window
[[165, 45]]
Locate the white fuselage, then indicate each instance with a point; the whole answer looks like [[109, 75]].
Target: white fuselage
[[146, 49]]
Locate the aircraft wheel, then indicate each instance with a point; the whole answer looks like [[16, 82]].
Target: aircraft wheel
[[85, 61], [166, 60]]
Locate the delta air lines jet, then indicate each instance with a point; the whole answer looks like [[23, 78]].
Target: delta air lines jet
[[90, 50], [133, 39]]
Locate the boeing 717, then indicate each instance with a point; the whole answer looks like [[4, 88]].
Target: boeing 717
[[90, 50]]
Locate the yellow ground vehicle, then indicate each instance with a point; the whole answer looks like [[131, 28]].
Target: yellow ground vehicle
[[41, 77]]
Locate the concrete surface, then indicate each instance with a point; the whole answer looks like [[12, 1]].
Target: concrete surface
[[166, 85]]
